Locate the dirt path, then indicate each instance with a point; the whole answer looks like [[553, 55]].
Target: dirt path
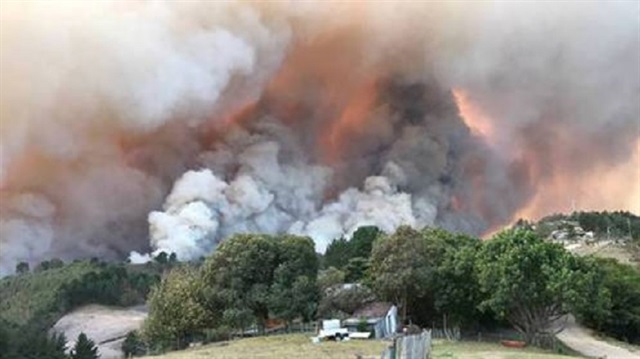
[[582, 341], [106, 326]]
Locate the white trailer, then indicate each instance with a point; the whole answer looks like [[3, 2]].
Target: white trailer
[[331, 329]]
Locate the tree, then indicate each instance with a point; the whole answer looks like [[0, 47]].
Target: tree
[[133, 345], [456, 290], [260, 274], [85, 348], [356, 269], [294, 293], [614, 306], [30, 341], [22, 268], [362, 241], [43, 266], [330, 277], [399, 267], [529, 281], [337, 253], [239, 275], [56, 263], [177, 309], [341, 251], [162, 258]]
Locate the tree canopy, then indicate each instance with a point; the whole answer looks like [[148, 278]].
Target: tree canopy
[[177, 309], [85, 348], [529, 281], [399, 267]]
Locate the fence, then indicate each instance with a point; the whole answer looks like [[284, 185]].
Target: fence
[[410, 347], [451, 334]]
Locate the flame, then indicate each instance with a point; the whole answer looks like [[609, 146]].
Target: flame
[[477, 121], [352, 117], [555, 186]]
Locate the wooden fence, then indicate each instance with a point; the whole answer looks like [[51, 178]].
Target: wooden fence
[[410, 347]]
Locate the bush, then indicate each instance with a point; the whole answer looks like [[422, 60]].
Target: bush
[[133, 345], [617, 310]]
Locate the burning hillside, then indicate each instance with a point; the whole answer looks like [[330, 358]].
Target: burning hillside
[[148, 126]]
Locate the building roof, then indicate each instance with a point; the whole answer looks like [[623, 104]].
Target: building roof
[[373, 310]]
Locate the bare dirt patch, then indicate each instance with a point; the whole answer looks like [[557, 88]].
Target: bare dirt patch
[[106, 326]]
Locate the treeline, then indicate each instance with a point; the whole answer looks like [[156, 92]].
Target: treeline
[[434, 276], [30, 344], [616, 224]]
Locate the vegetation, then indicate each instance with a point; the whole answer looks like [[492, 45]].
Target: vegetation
[[530, 282], [133, 345], [352, 256], [618, 224], [249, 279], [177, 309], [429, 274], [299, 346], [85, 348], [400, 267], [31, 302], [434, 276], [30, 343], [614, 307]]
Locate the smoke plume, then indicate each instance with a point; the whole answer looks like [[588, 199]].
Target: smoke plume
[[153, 126]]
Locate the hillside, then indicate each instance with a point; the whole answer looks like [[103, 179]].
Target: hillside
[[41, 297], [32, 295], [613, 235]]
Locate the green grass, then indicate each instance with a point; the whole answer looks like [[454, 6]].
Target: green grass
[[300, 346], [24, 297], [475, 350]]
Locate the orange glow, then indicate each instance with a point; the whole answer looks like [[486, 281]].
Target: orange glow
[[473, 115], [613, 189], [352, 117]]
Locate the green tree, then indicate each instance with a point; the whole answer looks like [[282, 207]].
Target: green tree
[[530, 282], [294, 292], [330, 277], [29, 341], [162, 258], [85, 348], [22, 268], [56, 263], [356, 269], [456, 290], [43, 266], [399, 267], [239, 275], [337, 253], [341, 251], [177, 310], [362, 241], [133, 345], [614, 305]]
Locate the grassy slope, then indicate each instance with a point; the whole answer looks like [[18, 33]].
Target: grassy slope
[[25, 296], [299, 346]]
